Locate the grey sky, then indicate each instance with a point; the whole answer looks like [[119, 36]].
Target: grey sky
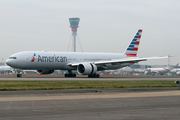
[[105, 26]]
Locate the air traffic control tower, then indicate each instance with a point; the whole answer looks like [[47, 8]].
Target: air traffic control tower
[[74, 22]]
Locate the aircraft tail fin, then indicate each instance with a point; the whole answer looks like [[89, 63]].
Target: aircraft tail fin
[[132, 49]]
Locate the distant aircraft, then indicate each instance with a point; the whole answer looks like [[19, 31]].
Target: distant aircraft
[[160, 71], [175, 71], [6, 70], [85, 63], [10, 70], [32, 72], [178, 72]]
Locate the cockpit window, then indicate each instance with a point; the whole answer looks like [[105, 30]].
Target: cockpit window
[[12, 58]]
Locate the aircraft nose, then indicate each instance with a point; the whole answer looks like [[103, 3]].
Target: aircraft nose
[[10, 62]]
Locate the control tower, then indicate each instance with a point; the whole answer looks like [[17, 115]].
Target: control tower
[[74, 22]]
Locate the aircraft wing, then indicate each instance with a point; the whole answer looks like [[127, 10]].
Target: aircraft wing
[[119, 61]]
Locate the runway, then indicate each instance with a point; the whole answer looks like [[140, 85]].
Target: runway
[[161, 105], [90, 79]]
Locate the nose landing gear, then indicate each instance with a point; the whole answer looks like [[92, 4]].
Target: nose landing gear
[[19, 75]]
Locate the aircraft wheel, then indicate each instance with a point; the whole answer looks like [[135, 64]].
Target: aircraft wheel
[[19, 75], [65, 75], [97, 75], [94, 76], [69, 75], [74, 75]]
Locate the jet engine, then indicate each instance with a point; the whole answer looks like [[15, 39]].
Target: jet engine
[[87, 68], [45, 71]]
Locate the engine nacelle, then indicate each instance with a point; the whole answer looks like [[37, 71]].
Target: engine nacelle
[[87, 68], [45, 71]]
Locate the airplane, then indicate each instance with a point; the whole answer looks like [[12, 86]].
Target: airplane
[[6, 70], [175, 71], [83, 62], [178, 73], [31, 72], [10, 70], [160, 71]]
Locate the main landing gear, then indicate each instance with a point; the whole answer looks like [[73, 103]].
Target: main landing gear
[[94, 76], [70, 74]]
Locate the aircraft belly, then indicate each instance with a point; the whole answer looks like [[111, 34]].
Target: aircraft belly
[[52, 66], [35, 65]]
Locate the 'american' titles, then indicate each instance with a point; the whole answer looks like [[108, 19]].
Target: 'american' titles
[[52, 58]]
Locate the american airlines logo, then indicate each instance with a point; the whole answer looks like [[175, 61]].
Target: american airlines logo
[[33, 59], [50, 58]]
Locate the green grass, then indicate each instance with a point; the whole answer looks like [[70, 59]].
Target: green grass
[[52, 85]]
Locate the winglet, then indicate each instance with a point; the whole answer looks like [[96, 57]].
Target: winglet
[[132, 49]]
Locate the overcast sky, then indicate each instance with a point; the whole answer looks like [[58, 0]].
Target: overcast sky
[[105, 26]]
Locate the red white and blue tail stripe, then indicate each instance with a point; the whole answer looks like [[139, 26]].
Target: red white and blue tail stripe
[[132, 49]]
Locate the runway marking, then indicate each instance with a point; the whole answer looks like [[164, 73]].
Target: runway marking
[[94, 96], [97, 102], [32, 102], [75, 102], [9, 105], [54, 103], [114, 101]]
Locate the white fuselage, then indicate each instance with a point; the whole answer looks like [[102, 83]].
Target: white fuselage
[[175, 71], [158, 70], [60, 60], [6, 68]]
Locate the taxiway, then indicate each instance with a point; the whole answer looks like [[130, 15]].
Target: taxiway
[[100, 104], [161, 105], [90, 79]]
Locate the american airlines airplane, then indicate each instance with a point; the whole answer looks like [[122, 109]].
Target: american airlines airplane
[[85, 63]]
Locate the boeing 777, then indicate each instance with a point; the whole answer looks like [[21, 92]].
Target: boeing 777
[[85, 63]]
